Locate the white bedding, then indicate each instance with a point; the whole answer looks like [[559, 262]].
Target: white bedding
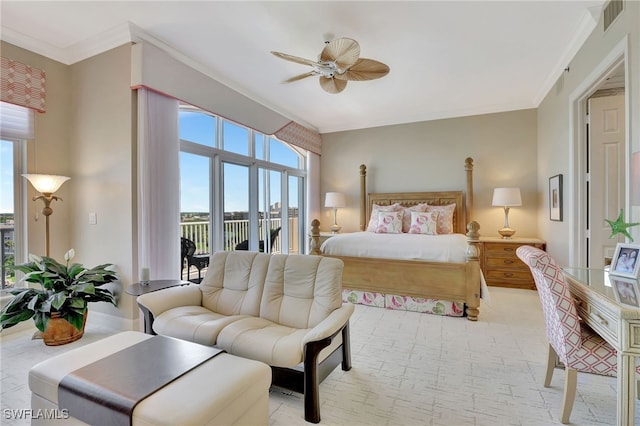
[[436, 248]]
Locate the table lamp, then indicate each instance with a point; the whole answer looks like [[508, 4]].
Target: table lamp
[[335, 200], [506, 197]]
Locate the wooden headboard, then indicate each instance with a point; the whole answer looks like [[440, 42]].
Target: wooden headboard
[[408, 199], [464, 202]]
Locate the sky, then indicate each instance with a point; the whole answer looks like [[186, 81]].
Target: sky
[[6, 177]]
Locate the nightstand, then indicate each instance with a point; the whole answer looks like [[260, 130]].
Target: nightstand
[[500, 265]]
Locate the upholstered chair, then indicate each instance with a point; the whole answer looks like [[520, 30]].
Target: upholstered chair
[[571, 341]]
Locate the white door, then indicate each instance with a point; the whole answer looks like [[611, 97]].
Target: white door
[[607, 172]]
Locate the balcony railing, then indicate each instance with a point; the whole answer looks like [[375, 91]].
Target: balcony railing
[[7, 257], [237, 231]]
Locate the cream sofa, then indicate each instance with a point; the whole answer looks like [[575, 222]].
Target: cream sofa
[[283, 310]]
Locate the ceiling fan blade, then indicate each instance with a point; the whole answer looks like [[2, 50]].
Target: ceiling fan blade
[[344, 51], [300, 77], [295, 59], [332, 85], [364, 69]]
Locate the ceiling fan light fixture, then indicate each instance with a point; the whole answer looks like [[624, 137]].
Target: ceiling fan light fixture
[[339, 63]]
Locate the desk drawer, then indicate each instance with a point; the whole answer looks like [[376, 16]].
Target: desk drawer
[[604, 322]]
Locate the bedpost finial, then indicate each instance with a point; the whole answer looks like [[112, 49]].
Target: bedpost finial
[[473, 227], [363, 169], [468, 163]]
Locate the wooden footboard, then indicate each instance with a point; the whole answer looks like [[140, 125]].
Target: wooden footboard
[[458, 281]]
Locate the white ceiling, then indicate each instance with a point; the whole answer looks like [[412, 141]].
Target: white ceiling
[[447, 58]]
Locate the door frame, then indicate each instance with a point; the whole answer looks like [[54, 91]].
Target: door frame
[[578, 136]]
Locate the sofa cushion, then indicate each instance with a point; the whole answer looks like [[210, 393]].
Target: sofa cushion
[[193, 323], [262, 340], [300, 291], [233, 283]]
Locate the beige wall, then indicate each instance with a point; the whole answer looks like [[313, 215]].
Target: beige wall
[[102, 164], [87, 134], [555, 147], [429, 156]]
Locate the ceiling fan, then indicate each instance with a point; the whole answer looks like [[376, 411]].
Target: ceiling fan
[[338, 63]]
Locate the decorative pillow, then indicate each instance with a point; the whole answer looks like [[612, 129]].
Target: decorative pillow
[[424, 223], [373, 221], [406, 219], [389, 222], [445, 217]]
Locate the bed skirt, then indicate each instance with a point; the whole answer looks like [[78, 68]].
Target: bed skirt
[[404, 303]]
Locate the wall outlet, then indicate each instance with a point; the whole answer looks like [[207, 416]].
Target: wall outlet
[[93, 218]]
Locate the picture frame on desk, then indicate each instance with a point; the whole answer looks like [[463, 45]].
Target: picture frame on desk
[[555, 198], [626, 291], [625, 261]]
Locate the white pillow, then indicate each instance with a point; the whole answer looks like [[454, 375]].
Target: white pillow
[[373, 221], [390, 222], [424, 223]]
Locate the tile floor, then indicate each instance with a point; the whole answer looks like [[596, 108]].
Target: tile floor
[[408, 369]]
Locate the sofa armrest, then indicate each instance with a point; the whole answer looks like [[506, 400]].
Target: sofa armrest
[[161, 301], [330, 325]]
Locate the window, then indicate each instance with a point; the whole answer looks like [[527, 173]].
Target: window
[[240, 189], [15, 127]]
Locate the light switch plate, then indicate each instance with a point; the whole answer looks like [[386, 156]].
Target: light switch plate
[[93, 218]]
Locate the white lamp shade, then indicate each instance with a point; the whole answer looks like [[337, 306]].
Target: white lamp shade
[[46, 184], [507, 197], [334, 199]]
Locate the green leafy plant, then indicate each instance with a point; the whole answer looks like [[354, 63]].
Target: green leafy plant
[[65, 289]]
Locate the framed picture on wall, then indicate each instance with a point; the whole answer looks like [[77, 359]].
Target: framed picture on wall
[[625, 260], [555, 198], [626, 291]]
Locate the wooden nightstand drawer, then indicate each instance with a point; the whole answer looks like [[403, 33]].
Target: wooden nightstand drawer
[[500, 264], [501, 249], [504, 262], [506, 276]]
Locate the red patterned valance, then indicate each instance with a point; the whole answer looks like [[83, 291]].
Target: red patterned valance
[[22, 85], [300, 136]]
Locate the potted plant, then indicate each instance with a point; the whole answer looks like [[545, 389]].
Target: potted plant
[[59, 306]]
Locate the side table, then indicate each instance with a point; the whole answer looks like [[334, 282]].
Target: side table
[[137, 289]]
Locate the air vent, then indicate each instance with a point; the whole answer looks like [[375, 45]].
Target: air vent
[[611, 12]]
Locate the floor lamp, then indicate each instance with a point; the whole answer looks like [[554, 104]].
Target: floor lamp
[[46, 185]]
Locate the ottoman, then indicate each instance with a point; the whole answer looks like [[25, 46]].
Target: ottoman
[[225, 390]]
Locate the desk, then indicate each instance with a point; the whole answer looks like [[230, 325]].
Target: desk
[[618, 323]]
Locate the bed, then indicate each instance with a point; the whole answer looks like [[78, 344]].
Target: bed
[[457, 278]]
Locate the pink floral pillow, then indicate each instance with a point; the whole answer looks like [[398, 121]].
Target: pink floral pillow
[[445, 217], [389, 222], [373, 221], [406, 219], [424, 223]]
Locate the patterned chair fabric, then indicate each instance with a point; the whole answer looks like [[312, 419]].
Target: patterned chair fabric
[[575, 343]]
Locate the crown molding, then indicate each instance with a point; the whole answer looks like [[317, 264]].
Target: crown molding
[[584, 29]]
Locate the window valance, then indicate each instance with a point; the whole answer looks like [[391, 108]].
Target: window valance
[[157, 70], [22, 85], [300, 136]]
